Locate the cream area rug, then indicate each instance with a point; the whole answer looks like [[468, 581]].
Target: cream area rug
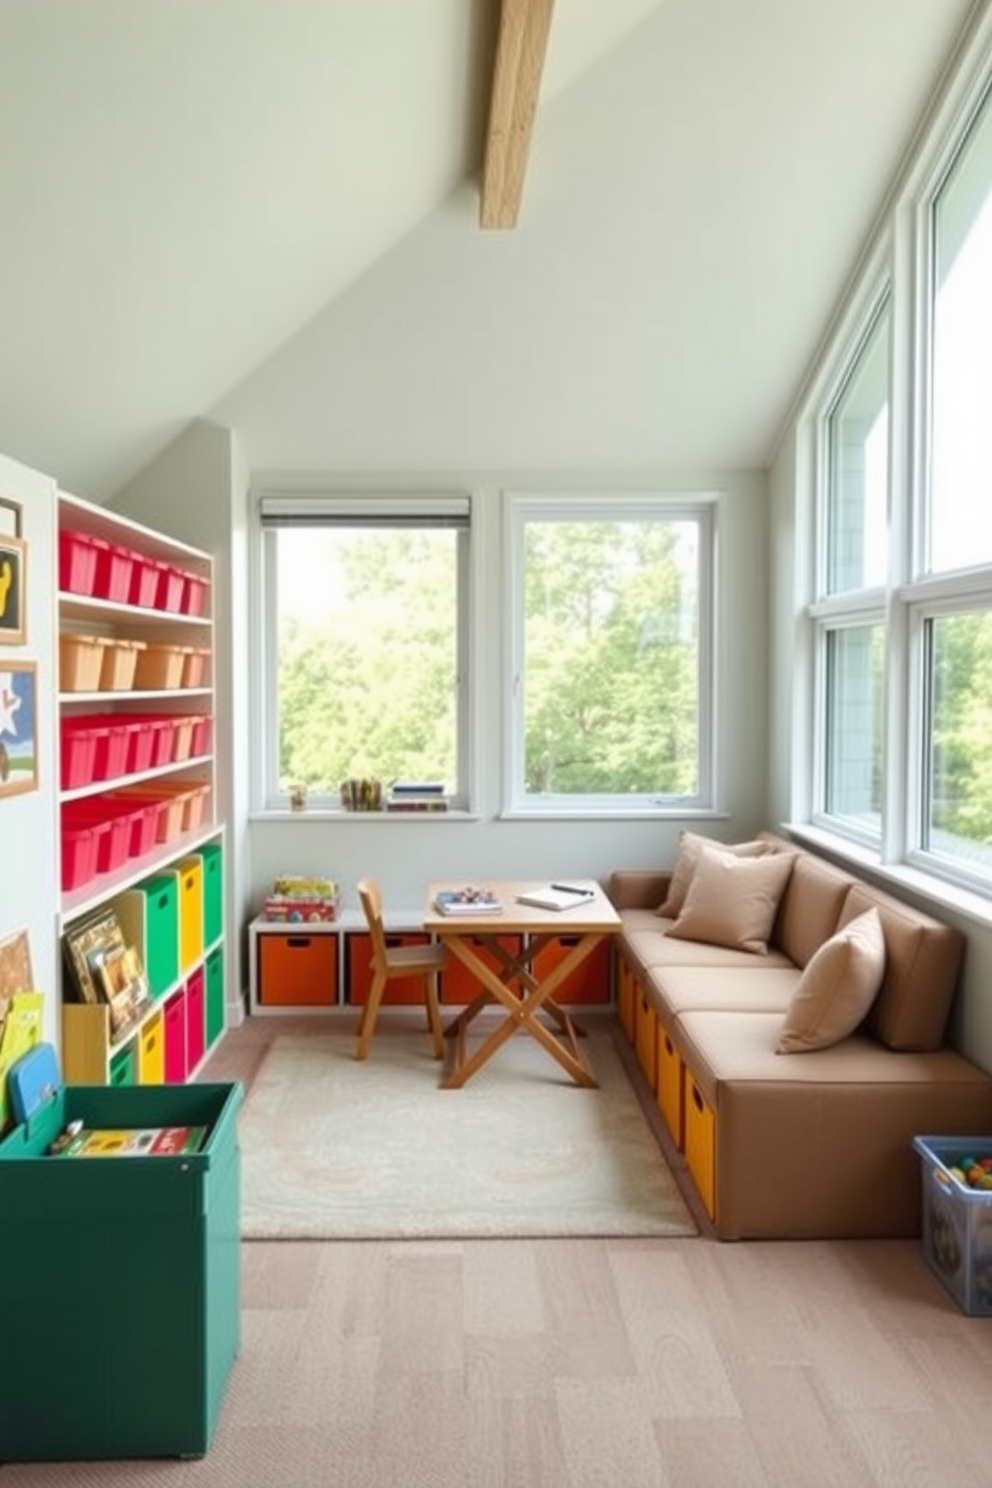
[[336, 1149]]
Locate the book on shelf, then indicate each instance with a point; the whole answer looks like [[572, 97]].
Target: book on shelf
[[416, 803], [558, 896], [142, 1141], [417, 788], [467, 901]]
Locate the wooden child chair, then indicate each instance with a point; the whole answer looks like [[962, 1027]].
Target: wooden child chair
[[389, 962]]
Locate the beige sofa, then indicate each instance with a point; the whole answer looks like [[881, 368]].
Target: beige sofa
[[808, 1144]]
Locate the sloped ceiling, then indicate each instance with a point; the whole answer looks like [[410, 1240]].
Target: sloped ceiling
[[268, 214]]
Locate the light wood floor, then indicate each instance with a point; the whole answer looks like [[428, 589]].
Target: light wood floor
[[585, 1364]]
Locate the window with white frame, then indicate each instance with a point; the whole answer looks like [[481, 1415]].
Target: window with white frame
[[366, 606], [612, 652], [902, 618]]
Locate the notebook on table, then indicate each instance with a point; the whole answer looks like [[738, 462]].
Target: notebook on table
[[558, 896]]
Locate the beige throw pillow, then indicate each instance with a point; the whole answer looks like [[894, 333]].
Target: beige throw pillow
[[837, 987], [731, 901], [691, 845]]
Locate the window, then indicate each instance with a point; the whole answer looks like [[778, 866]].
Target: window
[[366, 605], [900, 751], [612, 653]]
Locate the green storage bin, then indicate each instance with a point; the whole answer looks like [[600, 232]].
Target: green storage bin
[[149, 916], [122, 1302], [215, 996], [213, 892], [124, 1066]]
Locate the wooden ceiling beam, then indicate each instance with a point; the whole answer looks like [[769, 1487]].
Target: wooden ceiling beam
[[520, 51]]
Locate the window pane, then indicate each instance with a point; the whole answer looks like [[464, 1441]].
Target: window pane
[[855, 662], [858, 435], [960, 805], [612, 657], [960, 526], [367, 655]]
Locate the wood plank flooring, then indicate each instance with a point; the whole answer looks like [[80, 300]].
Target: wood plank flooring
[[584, 1364]]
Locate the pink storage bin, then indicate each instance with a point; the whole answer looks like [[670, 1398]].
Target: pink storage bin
[[143, 813], [144, 582], [111, 827], [111, 750], [79, 853], [113, 572], [77, 562], [194, 594], [140, 745], [174, 1021], [182, 740], [195, 1019]]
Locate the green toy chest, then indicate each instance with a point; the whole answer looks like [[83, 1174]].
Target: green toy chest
[[122, 1279]]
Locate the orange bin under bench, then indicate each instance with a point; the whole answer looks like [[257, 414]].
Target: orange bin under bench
[[700, 1142], [671, 1086], [297, 969], [646, 1038]]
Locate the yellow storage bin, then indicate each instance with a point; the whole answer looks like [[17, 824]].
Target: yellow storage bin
[[671, 1087], [646, 1038], [151, 1050], [700, 1142], [190, 872]]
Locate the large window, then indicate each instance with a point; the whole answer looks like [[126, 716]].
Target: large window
[[612, 653], [366, 602], [901, 616]]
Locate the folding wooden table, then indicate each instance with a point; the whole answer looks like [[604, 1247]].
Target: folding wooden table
[[513, 984]]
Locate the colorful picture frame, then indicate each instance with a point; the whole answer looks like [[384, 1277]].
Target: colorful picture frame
[[18, 727], [13, 576], [104, 969]]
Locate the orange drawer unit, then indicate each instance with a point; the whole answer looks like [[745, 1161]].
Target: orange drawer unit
[[646, 1038], [151, 1050], [190, 911], [296, 969], [700, 1143], [358, 958], [458, 984], [589, 982], [671, 1082]]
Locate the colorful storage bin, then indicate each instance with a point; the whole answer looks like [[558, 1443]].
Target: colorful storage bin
[[196, 1019], [215, 1019], [190, 872], [77, 562], [80, 662], [149, 917], [159, 668], [120, 659], [957, 1221]]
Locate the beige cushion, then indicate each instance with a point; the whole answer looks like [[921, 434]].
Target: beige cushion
[[732, 900], [691, 845], [837, 988]]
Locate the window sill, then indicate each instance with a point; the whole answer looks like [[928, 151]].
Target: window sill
[[315, 814]]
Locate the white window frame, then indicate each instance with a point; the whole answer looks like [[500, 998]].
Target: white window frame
[[523, 507], [389, 509], [903, 255]]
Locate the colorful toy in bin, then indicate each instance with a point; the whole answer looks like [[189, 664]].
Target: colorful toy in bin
[[299, 900]]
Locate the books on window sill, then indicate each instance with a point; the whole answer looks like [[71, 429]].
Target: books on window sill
[[410, 802], [558, 896], [467, 901]]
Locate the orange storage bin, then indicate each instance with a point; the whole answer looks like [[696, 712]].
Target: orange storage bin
[[671, 1087], [182, 739], [358, 955], [700, 1143], [297, 969], [117, 668], [195, 666], [80, 662], [589, 982], [159, 668]]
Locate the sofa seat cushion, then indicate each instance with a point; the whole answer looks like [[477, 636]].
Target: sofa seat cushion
[[675, 990], [648, 947]]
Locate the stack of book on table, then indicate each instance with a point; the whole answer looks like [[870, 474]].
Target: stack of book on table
[[467, 901], [416, 795]]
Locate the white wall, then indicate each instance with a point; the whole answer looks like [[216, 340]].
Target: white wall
[[29, 883]]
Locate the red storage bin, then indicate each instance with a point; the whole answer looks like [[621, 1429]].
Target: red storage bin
[[111, 750], [113, 572], [80, 842], [140, 745], [196, 1014], [77, 755], [110, 825], [144, 582], [142, 813], [77, 562], [171, 587], [200, 742], [194, 594], [174, 1020]]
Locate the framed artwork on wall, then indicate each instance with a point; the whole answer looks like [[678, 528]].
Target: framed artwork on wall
[[13, 575], [18, 727]]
